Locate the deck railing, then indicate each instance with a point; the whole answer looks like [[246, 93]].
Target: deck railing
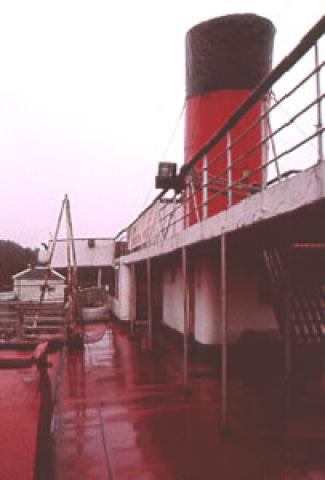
[[291, 129]]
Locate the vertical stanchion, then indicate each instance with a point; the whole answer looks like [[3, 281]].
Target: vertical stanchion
[[319, 108], [224, 333], [287, 347], [270, 133], [134, 300], [263, 143], [187, 204], [99, 278], [229, 171], [194, 199], [72, 243], [186, 389], [174, 213], [205, 187], [69, 272], [149, 304]]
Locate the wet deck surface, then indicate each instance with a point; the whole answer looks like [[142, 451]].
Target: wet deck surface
[[22, 404], [122, 415]]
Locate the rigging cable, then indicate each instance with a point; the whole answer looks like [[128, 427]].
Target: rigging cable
[[169, 143], [289, 116]]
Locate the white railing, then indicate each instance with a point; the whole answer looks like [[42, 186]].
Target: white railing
[[290, 126]]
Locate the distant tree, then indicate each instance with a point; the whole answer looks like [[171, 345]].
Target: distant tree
[[13, 259]]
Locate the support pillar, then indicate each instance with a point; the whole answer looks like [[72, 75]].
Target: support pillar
[[287, 348], [99, 278], [186, 388], [149, 305], [224, 333], [133, 302]]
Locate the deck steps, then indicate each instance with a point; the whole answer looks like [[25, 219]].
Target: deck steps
[[297, 279], [30, 320]]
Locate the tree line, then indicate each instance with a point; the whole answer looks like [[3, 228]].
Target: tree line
[[13, 259]]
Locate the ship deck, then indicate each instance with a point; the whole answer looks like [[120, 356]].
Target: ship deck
[[123, 415], [26, 400]]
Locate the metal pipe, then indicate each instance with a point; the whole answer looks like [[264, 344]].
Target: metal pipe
[[185, 299], [282, 154], [173, 213], [287, 344], [224, 334], [187, 204], [229, 170], [196, 209], [73, 247], [263, 145], [149, 304], [134, 299], [99, 278], [49, 263], [255, 147], [205, 187], [70, 285], [319, 108], [271, 137], [57, 229]]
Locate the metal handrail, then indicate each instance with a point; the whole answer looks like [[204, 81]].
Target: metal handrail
[[193, 198]]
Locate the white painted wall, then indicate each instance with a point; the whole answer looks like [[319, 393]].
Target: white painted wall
[[207, 311], [100, 255], [172, 296], [30, 290], [124, 305], [245, 311]]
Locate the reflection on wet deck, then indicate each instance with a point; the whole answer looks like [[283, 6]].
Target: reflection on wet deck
[[122, 415]]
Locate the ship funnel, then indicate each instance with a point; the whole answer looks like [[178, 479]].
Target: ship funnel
[[226, 58]]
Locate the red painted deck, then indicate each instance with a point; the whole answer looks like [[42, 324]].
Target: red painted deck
[[22, 404], [122, 416]]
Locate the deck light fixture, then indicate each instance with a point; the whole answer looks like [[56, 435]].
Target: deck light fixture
[[167, 177]]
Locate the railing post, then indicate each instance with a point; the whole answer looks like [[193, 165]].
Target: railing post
[[149, 304], [224, 334], [269, 132], [187, 203], [174, 214], [263, 143], [319, 108], [205, 187], [196, 209], [229, 170]]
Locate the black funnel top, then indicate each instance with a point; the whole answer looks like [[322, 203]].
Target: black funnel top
[[230, 52]]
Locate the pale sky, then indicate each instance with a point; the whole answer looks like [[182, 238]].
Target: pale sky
[[90, 95]]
